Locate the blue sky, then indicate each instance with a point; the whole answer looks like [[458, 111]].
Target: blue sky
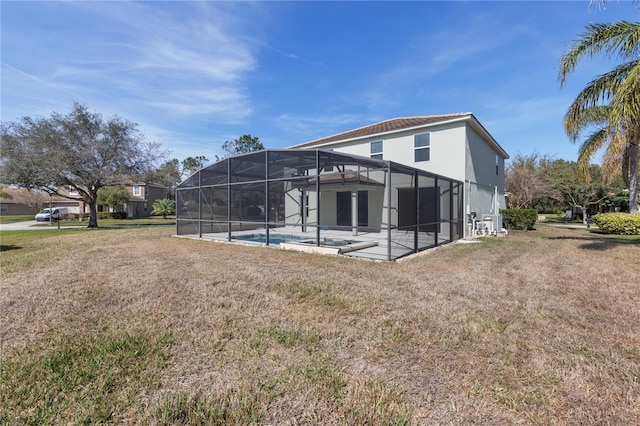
[[195, 74]]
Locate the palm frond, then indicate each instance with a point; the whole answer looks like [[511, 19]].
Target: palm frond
[[627, 99], [588, 149], [577, 119], [604, 87], [621, 38], [614, 154]]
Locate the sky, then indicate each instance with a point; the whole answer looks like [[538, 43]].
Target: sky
[[196, 74]]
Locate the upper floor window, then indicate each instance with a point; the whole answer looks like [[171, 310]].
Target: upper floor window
[[497, 165], [422, 147], [137, 190], [329, 168], [73, 191], [376, 150]]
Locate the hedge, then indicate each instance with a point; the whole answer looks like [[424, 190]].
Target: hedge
[[523, 219], [618, 223], [112, 215]]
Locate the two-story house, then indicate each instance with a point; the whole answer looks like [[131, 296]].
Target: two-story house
[[452, 145], [381, 191]]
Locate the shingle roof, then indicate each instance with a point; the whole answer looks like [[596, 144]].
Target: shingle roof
[[385, 126]]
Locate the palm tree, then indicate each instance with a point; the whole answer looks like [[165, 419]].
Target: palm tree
[[164, 207], [610, 102]]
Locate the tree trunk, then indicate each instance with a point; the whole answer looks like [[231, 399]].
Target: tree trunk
[[93, 215], [633, 178]]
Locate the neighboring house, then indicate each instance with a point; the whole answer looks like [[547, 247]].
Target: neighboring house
[[381, 192], [141, 199], [25, 202], [452, 145]]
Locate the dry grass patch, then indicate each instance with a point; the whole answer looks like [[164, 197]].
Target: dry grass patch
[[540, 327]]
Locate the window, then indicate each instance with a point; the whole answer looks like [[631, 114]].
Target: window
[[137, 190], [497, 165], [329, 168], [73, 191], [422, 147], [376, 150]]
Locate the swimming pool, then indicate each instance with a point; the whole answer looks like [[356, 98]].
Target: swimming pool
[[273, 238]]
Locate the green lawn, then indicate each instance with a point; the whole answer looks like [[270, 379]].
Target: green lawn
[[137, 221], [15, 218]]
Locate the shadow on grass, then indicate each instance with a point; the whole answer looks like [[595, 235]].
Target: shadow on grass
[[7, 248], [599, 241]]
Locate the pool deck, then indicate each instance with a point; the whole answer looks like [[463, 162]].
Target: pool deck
[[366, 245]]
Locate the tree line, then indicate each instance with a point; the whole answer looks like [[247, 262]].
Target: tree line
[[554, 185]]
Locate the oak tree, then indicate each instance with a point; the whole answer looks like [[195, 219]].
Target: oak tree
[[79, 151]]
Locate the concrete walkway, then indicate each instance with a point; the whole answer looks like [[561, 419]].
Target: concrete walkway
[[29, 226]]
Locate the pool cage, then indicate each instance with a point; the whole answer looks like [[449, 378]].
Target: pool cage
[[316, 200]]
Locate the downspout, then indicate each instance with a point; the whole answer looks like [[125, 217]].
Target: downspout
[[467, 202]]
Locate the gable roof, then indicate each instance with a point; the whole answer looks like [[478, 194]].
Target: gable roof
[[405, 123], [384, 127]]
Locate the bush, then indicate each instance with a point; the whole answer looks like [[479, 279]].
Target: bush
[[519, 218], [618, 223], [112, 215]]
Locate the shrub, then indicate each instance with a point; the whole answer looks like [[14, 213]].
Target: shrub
[[519, 218], [618, 223], [112, 215]]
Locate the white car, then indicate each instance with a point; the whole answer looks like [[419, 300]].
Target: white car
[[45, 214]]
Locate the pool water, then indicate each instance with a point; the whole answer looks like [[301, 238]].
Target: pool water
[[273, 238]]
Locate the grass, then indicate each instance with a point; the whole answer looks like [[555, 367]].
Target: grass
[[87, 379], [37, 247], [15, 218], [134, 326], [136, 221], [106, 223]]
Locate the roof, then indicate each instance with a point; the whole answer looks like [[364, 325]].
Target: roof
[[20, 195], [384, 127], [405, 123]]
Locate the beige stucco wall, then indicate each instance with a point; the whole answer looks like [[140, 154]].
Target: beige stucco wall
[[458, 151]]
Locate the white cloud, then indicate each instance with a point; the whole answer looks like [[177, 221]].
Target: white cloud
[[163, 56], [316, 126]]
